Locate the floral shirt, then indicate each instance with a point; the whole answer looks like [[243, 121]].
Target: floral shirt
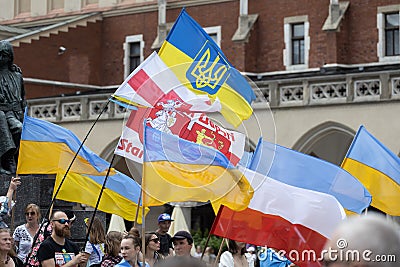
[[43, 233], [110, 261], [24, 238]]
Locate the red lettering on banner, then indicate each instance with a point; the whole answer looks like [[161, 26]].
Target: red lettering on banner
[[211, 123], [137, 152], [215, 128], [121, 145], [128, 147], [204, 119], [231, 136]]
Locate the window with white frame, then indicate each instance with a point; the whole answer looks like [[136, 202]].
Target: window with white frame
[[214, 33], [133, 47], [297, 42], [392, 24], [388, 20]]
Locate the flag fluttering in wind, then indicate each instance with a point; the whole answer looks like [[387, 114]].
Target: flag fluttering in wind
[[377, 168], [200, 65], [194, 127], [120, 195], [47, 148], [177, 170], [153, 84], [304, 171], [284, 217]]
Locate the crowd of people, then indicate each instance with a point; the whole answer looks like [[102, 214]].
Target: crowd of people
[[48, 245]]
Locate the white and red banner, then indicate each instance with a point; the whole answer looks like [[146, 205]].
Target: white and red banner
[[153, 82], [288, 218], [195, 127]]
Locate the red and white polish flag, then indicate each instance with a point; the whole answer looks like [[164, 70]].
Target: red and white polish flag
[[296, 220]]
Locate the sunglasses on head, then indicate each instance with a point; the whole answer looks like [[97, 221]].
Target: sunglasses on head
[[155, 240], [62, 221], [32, 213]]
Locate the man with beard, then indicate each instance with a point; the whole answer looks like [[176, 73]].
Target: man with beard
[[57, 250]]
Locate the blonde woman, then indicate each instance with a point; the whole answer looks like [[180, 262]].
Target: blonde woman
[[24, 234], [95, 245], [7, 255]]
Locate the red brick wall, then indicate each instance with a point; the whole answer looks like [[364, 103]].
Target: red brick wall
[[95, 53], [79, 64], [117, 28]]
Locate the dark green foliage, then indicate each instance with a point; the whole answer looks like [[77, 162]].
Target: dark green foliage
[[200, 238]]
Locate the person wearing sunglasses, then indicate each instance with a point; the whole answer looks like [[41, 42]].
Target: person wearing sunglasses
[[24, 234], [57, 250], [43, 234], [152, 242]]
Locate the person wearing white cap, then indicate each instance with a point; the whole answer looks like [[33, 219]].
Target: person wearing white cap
[[164, 222]]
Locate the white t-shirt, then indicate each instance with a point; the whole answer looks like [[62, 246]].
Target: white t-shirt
[[21, 235], [96, 254], [226, 260]]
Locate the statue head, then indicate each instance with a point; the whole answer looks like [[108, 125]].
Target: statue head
[[6, 53]]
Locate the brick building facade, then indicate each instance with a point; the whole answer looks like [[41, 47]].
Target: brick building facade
[[320, 58], [95, 51]]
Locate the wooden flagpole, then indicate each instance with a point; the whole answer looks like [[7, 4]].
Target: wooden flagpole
[[137, 209], [143, 199], [219, 252]]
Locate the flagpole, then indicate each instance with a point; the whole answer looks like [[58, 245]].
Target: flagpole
[[143, 233], [12, 210], [205, 245], [98, 201], [137, 210], [219, 252], [142, 194]]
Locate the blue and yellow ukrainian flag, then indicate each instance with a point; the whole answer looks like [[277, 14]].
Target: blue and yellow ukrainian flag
[[176, 170], [47, 148], [120, 195], [377, 168], [200, 65]]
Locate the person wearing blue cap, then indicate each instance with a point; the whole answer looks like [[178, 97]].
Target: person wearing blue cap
[[164, 222]]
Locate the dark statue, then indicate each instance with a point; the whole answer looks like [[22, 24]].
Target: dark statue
[[12, 105]]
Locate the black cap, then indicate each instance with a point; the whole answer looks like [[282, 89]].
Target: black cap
[[182, 235]]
